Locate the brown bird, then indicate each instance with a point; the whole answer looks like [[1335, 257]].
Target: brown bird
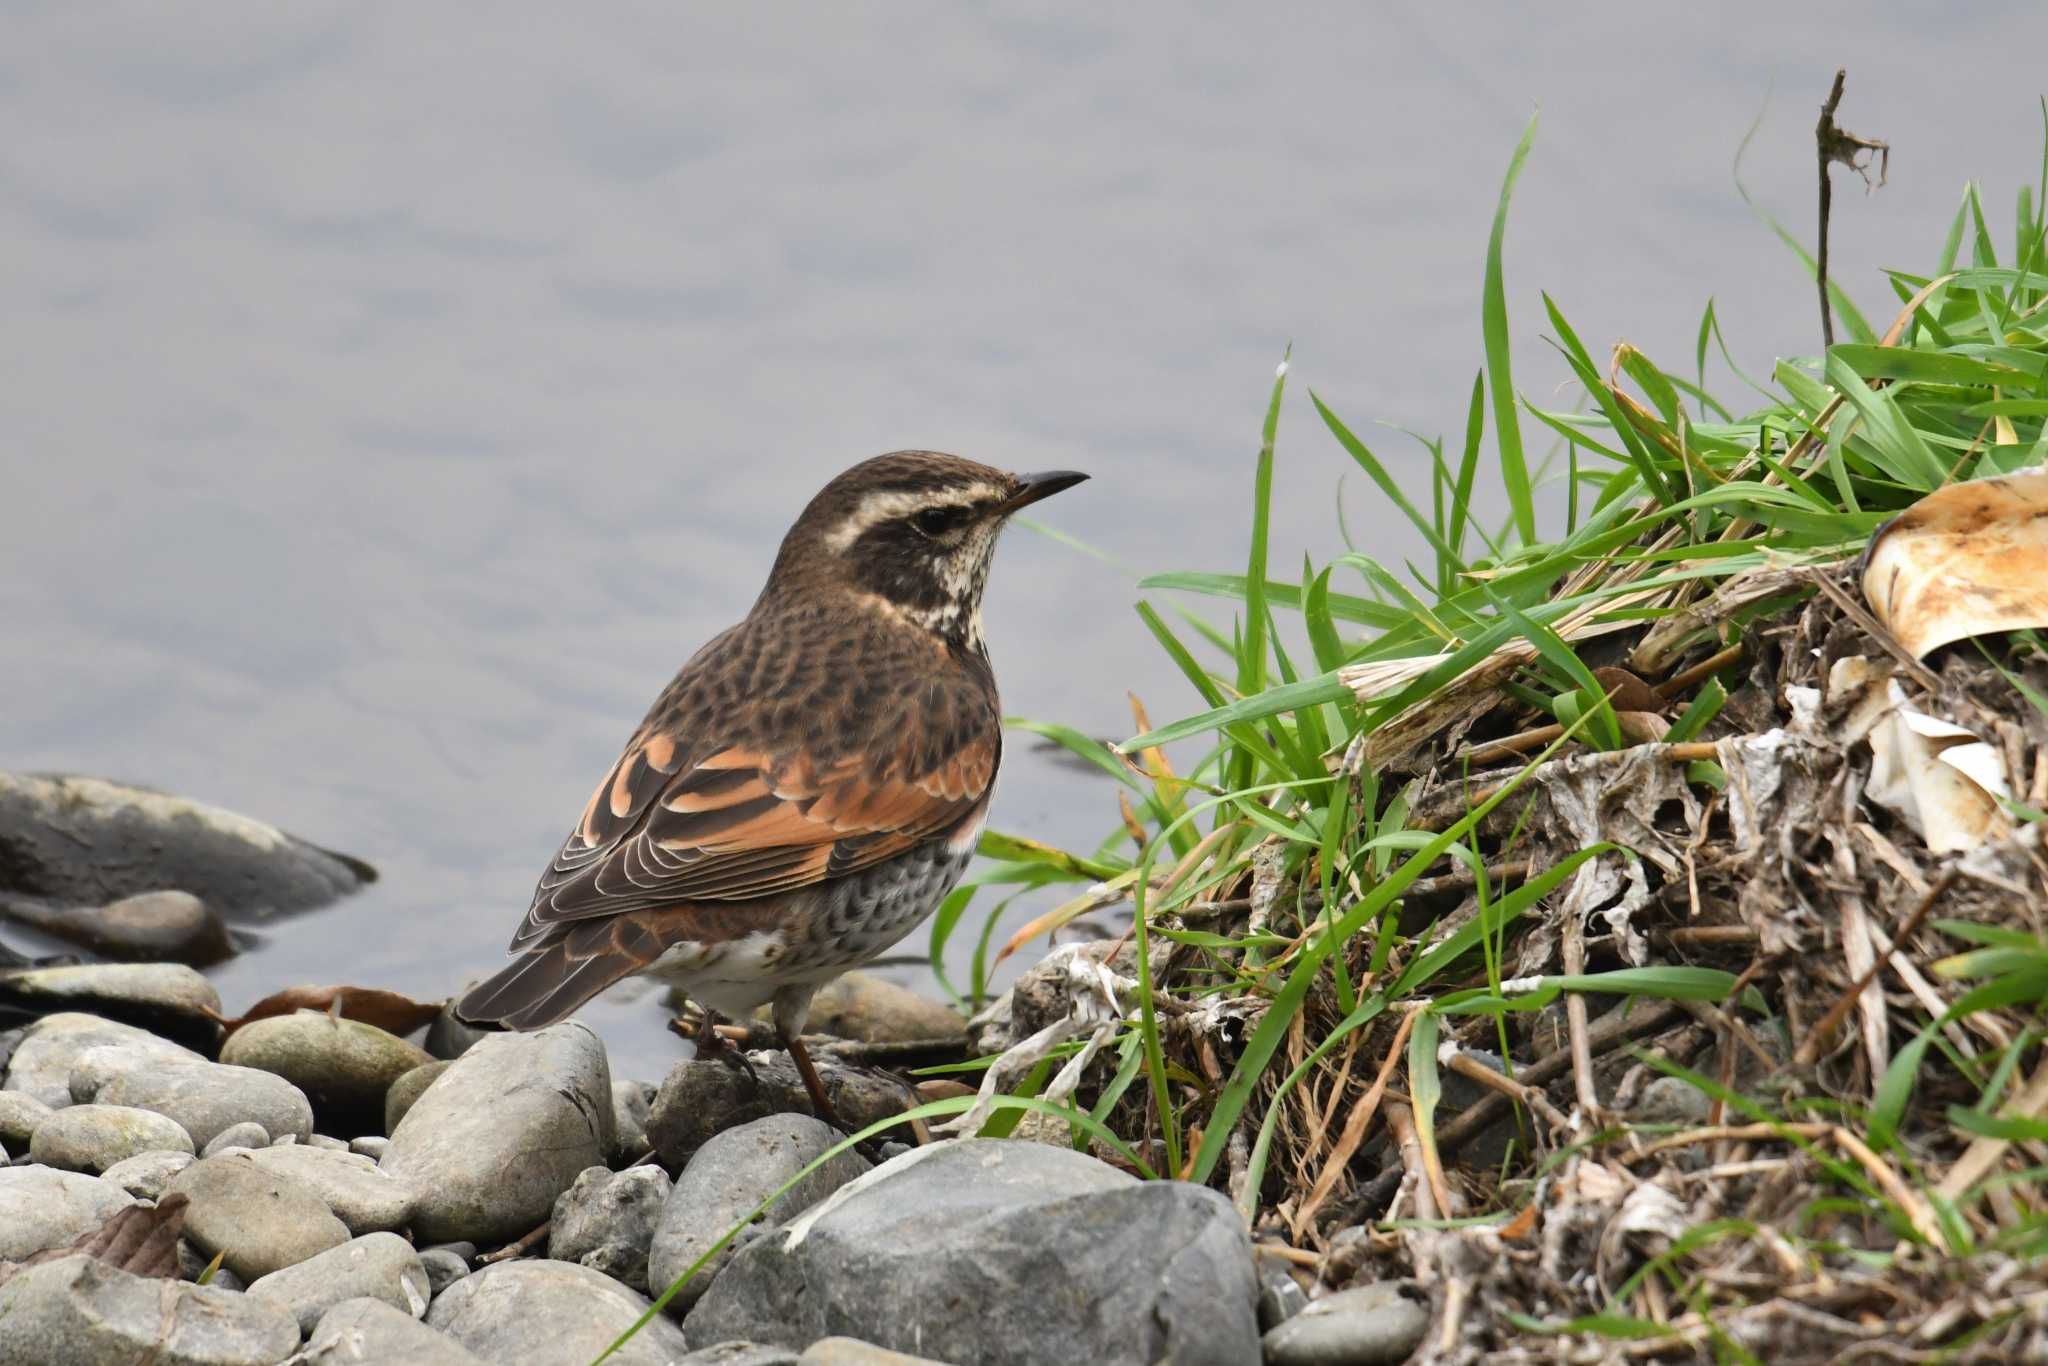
[[811, 784]]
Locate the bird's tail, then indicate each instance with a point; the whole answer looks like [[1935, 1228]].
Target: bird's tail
[[550, 982]]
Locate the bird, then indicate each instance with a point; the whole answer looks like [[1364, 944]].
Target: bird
[[810, 785]]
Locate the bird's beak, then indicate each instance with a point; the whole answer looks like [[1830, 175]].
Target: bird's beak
[[1033, 487]]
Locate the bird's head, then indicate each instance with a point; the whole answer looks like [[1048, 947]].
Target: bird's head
[[914, 532]]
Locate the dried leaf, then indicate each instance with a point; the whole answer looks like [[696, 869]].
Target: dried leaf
[[387, 1010], [141, 1240], [1965, 560]]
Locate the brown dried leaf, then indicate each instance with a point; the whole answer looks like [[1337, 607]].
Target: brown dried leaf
[[141, 1240], [387, 1010], [1965, 560]]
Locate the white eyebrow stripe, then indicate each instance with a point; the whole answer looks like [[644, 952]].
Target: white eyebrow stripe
[[890, 504]]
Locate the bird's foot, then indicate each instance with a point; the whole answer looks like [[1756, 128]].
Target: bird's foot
[[713, 1045]]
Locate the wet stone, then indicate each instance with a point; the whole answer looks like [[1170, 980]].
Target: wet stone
[[730, 1175], [156, 927], [192, 1264], [503, 1132], [381, 1266], [75, 1311], [450, 1036], [79, 841], [544, 1311], [167, 996], [208, 1097], [854, 1352], [369, 1332], [344, 1066], [52, 1047], [41, 1207], [869, 1008], [1367, 1325], [606, 1221], [92, 1138], [261, 1220], [1280, 1299], [247, 1134], [408, 1088], [145, 1175]]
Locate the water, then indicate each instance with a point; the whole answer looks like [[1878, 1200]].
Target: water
[[393, 401]]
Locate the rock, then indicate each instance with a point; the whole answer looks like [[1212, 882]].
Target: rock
[[149, 927], [1673, 1100], [727, 1178], [1365, 1326], [76, 1311], [192, 1264], [739, 1354], [262, 1220], [207, 1097], [872, 1009], [1140, 1271], [145, 1175], [361, 1194], [20, 1113], [371, 1146], [1280, 1299], [52, 1046], [332, 1145], [168, 996], [631, 1101], [41, 1207], [409, 1087], [546, 1311], [246, 1134], [92, 1138], [503, 1132], [380, 1266], [854, 1352], [74, 841], [344, 1066], [443, 1267], [371, 1333], [704, 1096], [450, 1036], [606, 1219]]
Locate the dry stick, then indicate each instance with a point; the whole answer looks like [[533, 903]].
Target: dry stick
[[1838, 144], [1609, 1032], [1355, 1125], [1702, 671], [1401, 1124], [1984, 1152], [1810, 1047], [1572, 944], [1469, 1067], [518, 1249], [1879, 632]]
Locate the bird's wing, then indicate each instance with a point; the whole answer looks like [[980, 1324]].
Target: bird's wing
[[730, 822]]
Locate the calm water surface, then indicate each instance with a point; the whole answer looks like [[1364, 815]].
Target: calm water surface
[[393, 400]]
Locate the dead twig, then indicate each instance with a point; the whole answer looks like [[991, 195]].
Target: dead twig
[[1834, 143]]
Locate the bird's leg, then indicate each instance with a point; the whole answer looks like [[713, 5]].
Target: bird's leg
[[712, 1044], [792, 1007]]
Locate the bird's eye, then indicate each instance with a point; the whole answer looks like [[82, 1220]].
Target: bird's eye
[[938, 521]]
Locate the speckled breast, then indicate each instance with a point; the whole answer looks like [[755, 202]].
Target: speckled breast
[[853, 919]]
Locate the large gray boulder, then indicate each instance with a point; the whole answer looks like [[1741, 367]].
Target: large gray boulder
[[76, 1311], [361, 1194], [77, 841], [343, 1066], [1139, 1272], [41, 1207], [503, 1132], [545, 1311], [730, 1175], [606, 1220]]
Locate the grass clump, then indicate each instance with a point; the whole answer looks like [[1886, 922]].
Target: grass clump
[[1515, 915]]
